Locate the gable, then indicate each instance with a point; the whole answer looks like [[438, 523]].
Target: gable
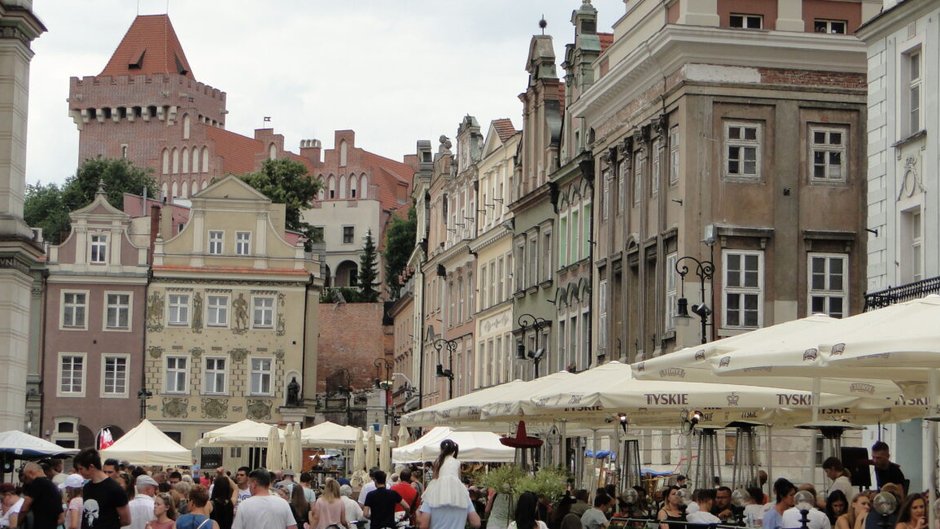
[[232, 188]]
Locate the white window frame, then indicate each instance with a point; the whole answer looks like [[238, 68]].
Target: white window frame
[[830, 26], [827, 293], [484, 291], [182, 387], [741, 291], [545, 253], [258, 304], [261, 374], [915, 218], [563, 240], [532, 255], [98, 248], [639, 159], [128, 308], [352, 236], [674, 155], [574, 242], [748, 21], [602, 319], [500, 280], [914, 92], [212, 374], [105, 394], [587, 217], [216, 242], [828, 149], [656, 167], [672, 292], [561, 342], [605, 207], [742, 144], [215, 309], [243, 243], [623, 174], [75, 306], [175, 310], [83, 376]]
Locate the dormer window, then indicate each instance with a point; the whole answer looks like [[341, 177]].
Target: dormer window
[[741, 21], [99, 249]]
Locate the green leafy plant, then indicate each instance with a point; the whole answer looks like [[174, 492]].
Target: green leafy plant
[[548, 482]]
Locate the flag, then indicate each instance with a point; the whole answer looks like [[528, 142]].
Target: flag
[[105, 439]]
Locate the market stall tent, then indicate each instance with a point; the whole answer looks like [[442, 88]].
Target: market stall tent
[[21, 445], [145, 444], [474, 446]]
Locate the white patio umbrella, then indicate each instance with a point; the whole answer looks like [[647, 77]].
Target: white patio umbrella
[[371, 454], [464, 407], [359, 455], [285, 446], [403, 436], [244, 432], [385, 450], [272, 460], [502, 404], [297, 451]]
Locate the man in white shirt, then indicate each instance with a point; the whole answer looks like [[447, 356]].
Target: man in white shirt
[[263, 510], [594, 517], [699, 512], [141, 506], [241, 480], [353, 510], [367, 488], [840, 481], [792, 517]]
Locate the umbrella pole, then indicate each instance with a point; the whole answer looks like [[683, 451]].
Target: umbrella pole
[[770, 459]]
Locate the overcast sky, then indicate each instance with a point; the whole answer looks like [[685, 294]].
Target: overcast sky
[[395, 71]]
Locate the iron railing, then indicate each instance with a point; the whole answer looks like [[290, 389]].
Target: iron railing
[[892, 295]]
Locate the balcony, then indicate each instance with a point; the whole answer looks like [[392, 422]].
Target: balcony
[[892, 295]]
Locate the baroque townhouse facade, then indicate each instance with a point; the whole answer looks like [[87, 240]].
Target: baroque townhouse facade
[[733, 133], [903, 186], [94, 331], [232, 317], [495, 347]]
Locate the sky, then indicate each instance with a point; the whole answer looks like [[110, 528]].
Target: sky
[[395, 71]]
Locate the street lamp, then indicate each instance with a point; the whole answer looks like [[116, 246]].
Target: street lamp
[[704, 270], [451, 346], [143, 395], [527, 321], [384, 384]]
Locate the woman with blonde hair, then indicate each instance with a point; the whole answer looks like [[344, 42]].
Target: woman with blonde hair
[[164, 509], [73, 497], [853, 518], [329, 508]]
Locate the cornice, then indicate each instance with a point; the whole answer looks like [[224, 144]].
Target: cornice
[[895, 19]]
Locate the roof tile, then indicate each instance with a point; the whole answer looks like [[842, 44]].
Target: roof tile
[[149, 47]]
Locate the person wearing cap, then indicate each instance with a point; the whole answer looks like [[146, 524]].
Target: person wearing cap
[[10, 503], [141, 506], [72, 487], [42, 498], [353, 510]]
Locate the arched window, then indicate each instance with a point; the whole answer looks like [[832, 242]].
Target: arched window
[[205, 159], [364, 186], [195, 159], [163, 191], [352, 186], [272, 152], [342, 186], [186, 126], [166, 161], [176, 191], [321, 194], [342, 153], [185, 157], [176, 161], [184, 190], [332, 187]]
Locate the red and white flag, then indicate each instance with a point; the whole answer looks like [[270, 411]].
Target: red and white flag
[[104, 439]]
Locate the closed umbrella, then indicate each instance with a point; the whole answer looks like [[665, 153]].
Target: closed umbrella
[[272, 460], [285, 447], [359, 454], [403, 436], [297, 451], [371, 454], [385, 450]]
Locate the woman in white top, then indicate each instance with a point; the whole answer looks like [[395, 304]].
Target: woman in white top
[[527, 512], [446, 489]]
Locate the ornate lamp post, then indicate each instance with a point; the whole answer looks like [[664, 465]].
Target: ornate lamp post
[[527, 321], [385, 384], [451, 346], [704, 270], [143, 395]]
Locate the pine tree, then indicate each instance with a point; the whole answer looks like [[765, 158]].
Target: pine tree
[[368, 273]]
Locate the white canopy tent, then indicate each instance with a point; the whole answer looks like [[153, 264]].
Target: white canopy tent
[[331, 435], [245, 432], [474, 446], [145, 444], [464, 407], [21, 445]]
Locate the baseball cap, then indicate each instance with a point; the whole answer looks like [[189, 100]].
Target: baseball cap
[[144, 480], [287, 472], [73, 481]]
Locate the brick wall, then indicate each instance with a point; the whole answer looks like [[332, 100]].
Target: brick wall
[[351, 337]]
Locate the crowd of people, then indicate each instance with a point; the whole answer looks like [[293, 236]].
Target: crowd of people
[[113, 495]]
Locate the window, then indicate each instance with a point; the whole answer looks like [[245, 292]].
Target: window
[[317, 234], [747, 21], [546, 251], [260, 376], [72, 375], [672, 298], [742, 149], [532, 254], [215, 242], [483, 291], [828, 154], [99, 249], [605, 205], [492, 285], [655, 170], [176, 374], [263, 312], [917, 271], [602, 320], [243, 243], [349, 233], [575, 241], [179, 309], [217, 315], [562, 344], [500, 282], [828, 284], [623, 172], [829, 26], [586, 226], [118, 311], [519, 260], [914, 96], [638, 177], [215, 376], [563, 241], [73, 310], [114, 376], [743, 287], [674, 155]]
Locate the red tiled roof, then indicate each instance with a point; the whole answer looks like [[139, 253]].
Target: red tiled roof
[[504, 128], [238, 152], [392, 178], [606, 40], [298, 158], [149, 47]]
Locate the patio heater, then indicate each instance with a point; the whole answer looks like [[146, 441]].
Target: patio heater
[[708, 463], [630, 473], [746, 465], [832, 434]]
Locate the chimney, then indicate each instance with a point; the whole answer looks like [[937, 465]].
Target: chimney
[[310, 149], [155, 211]]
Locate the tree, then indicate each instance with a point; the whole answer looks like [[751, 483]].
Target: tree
[[288, 182], [367, 271], [400, 240], [48, 206]]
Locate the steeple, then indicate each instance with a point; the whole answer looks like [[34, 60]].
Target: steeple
[[149, 47]]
